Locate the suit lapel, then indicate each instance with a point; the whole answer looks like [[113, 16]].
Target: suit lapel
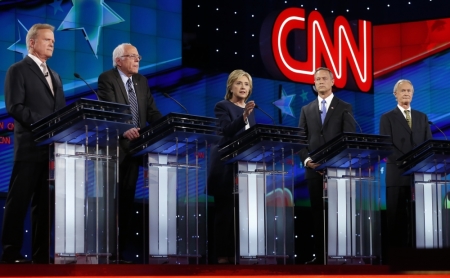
[[333, 105], [402, 120], [35, 68], [314, 111], [120, 84]]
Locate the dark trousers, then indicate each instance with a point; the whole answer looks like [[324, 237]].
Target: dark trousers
[[128, 176], [224, 241], [315, 188], [399, 217], [28, 184]]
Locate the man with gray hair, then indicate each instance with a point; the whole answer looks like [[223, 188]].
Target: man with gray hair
[[32, 92], [123, 84], [408, 128]]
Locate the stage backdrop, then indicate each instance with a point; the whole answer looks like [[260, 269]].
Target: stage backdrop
[[216, 40]]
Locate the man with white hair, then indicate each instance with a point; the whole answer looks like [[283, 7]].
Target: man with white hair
[[123, 84], [408, 128]]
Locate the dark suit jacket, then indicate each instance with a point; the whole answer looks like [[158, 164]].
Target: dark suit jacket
[[336, 122], [230, 124], [28, 99], [112, 89], [404, 139]]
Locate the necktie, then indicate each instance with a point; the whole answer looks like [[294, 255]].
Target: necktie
[[133, 103], [47, 76], [324, 110], [408, 118]]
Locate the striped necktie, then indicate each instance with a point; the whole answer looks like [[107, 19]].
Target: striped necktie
[[133, 103], [408, 118]]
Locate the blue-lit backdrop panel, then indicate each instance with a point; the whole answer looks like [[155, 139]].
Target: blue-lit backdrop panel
[[86, 33]]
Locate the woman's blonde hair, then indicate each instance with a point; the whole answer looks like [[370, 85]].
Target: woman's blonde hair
[[234, 75]]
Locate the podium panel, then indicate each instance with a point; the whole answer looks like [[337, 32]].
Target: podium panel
[[264, 206], [352, 197], [83, 142], [175, 151]]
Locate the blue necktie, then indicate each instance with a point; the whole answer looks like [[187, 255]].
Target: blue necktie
[[133, 103], [324, 110]]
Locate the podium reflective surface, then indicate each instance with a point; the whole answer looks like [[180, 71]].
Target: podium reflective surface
[[174, 152], [83, 142], [428, 163], [352, 196], [264, 203]]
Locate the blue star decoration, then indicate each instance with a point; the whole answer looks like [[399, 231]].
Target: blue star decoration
[[56, 6], [304, 96], [284, 103], [20, 46], [90, 16]]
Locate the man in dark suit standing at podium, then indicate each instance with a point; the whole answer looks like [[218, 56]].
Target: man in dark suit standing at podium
[[408, 128], [123, 84], [32, 92], [321, 120]]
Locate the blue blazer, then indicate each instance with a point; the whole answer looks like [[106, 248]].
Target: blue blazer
[[230, 124]]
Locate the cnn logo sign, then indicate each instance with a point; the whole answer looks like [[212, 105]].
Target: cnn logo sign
[[298, 45]]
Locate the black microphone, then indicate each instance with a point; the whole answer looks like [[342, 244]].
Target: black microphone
[[46, 74], [431, 123], [79, 77], [346, 111], [256, 106], [167, 96]]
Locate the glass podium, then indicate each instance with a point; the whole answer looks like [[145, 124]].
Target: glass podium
[[352, 197], [174, 151], [264, 203], [83, 143], [428, 164]]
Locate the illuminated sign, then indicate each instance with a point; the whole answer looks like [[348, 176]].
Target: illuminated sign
[[299, 45]]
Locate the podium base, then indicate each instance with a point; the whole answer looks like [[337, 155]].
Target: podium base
[[263, 259], [174, 259], [80, 258], [352, 260]]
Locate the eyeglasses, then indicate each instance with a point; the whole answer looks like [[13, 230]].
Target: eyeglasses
[[134, 57]]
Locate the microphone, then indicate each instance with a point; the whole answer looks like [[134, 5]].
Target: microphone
[[431, 123], [167, 96], [79, 77], [256, 106], [360, 129], [46, 74]]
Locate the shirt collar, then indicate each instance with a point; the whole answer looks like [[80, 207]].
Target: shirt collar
[[403, 109], [328, 99], [36, 60], [124, 77]]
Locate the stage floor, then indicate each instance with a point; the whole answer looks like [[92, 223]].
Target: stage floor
[[217, 271]]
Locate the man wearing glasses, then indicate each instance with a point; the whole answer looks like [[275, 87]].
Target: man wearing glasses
[[123, 84]]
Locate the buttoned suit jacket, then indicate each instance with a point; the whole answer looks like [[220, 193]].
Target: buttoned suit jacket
[[28, 98], [336, 122], [111, 88], [404, 139], [230, 124]]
